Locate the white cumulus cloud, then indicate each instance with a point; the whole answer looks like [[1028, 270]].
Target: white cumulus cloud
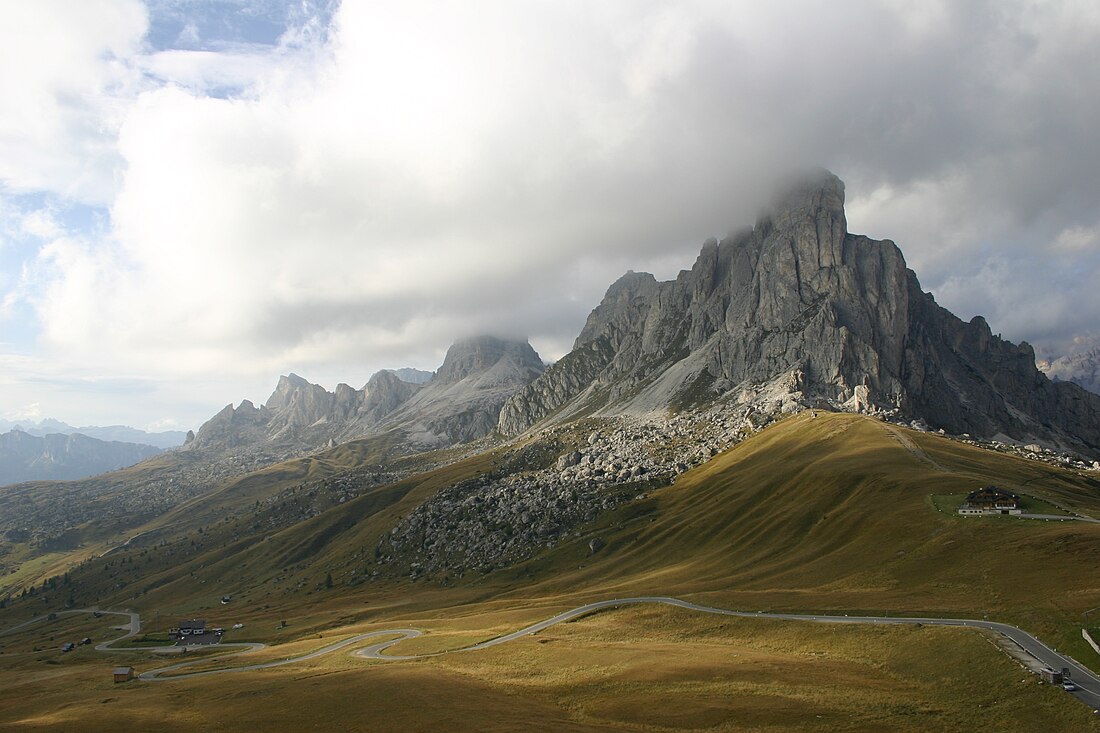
[[356, 197]]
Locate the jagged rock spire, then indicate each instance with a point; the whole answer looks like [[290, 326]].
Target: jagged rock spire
[[799, 294]]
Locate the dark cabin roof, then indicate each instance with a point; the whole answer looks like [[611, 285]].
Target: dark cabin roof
[[195, 623]]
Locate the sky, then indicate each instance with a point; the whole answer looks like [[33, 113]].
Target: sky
[[199, 195]]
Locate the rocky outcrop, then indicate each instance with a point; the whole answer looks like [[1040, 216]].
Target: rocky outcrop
[[476, 356], [385, 393], [548, 491], [796, 297], [961, 377], [296, 403], [233, 426], [798, 293], [25, 457]]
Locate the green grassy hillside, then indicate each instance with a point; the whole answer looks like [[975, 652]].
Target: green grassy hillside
[[829, 513], [835, 513]]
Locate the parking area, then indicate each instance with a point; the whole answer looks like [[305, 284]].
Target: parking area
[[209, 637]]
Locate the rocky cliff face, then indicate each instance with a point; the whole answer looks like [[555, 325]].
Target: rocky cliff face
[[799, 295], [385, 393], [961, 377], [460, 402], [796, 303]]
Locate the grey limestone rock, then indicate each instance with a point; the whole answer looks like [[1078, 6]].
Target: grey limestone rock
[[798, 293], [460, 402], [476, 355]]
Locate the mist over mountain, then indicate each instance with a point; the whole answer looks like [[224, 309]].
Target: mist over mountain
[[1081, 367], [795, 303], [837, 316]]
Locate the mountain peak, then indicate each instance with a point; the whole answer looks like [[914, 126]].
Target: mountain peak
[[479, 353], [816, 196], [293, 380], [818, 188], [799, 295], [288, 387], [1081, 367]]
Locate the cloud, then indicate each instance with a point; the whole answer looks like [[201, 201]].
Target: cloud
[[356, 193], [1077, 239], [64, 93], [207, 71], [31, 412]]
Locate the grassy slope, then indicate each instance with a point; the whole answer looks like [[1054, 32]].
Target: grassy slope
[[644, 668], [826, 513], [224, 547], [829, 513], [231, 497], [234, 496], [834, 505], [33, 564], [833, 513]]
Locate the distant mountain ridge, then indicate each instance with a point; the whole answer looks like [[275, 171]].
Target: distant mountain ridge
[[458, 403], [412, 376], [794, 304], [120, 433], [26, 457], [1081, 368]]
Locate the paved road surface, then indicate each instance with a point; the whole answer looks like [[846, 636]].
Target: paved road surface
[[1088, 683], [1059, 517], [156, 674], [132, 628]]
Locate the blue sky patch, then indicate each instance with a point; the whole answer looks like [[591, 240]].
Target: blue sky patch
[[212, 25]]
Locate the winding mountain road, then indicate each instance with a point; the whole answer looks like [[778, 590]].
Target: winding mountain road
[[134, 627], [1088, 684]]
